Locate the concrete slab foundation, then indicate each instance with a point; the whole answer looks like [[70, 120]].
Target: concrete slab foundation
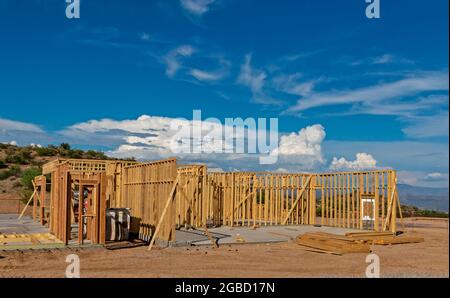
[[26, 225], [242, 235]]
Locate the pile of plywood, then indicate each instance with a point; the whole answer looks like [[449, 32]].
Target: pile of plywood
[[383, 238], [36, 238], [350, 243], [332, 244]]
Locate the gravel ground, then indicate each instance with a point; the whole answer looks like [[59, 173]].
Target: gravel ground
[[427, 259]]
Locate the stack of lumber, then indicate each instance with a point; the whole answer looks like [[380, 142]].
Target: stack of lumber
[[9, 238], [332, 244], [36, 238], [350, 243], [383, 238]]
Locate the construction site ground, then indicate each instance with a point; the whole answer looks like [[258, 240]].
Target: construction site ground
[[275, 259]]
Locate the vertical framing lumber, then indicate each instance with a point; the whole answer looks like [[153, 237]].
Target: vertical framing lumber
[[200, 198]]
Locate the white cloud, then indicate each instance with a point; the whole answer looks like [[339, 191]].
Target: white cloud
[[11, 125], [255, 80], [427, 126], [152, 137], [423, 179], [306, 142], [174, 63], [363, 161], [248, 76], [215, 170], [303, 148], [144, 36], [289, 83], [13, 143], [149, 137], [435, 176], [196, 7], [377, 93], [386, 58], [172, 59], [425, 116], [402, 108], [202, 75], [399, 155], [382, 59], [21, 132]]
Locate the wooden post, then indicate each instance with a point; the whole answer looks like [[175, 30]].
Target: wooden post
[[377, 204], [35, 201], [302, 191], [28, 203], [312, 200], [394, 204], [42, 197], [161, 219], [102, 209]]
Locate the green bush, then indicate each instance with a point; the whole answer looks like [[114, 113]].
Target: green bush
[[411, 211], [74, 154], [28, 176], [16, 158], [91, 154], [47, 151], [2, 164], [64, 146], [12, 171], [23, 157], [26, 194], [4, 175]]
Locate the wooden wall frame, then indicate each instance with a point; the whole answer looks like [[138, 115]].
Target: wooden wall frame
[[203, 198]]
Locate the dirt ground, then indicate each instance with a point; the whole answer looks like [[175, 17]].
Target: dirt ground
[[427, 259]]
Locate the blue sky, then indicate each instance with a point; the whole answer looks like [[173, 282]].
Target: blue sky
[[378, 87]]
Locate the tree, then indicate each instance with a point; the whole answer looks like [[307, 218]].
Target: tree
[[65, 146]]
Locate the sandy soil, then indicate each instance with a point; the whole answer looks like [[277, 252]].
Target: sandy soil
[[427, 259]]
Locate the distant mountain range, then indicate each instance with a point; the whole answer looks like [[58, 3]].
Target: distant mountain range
[[424, 197]]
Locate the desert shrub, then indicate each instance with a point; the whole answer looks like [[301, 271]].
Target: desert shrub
[[410, 211], [91, 154], [319, 211], [432, 213], [47, 151], [4, 175], [64, 146], [26, 153], [16, 158], [2, 164], [28, 176], [10, 150], [22, 157], [17, 184], [74, 154], [26, 194], [12, 171]]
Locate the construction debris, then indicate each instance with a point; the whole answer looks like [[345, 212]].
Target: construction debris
[[351, 242], [239, 238], [384, 238], [368, 234], [333, 244], [399, 240], [281, 234], [37, 238]]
